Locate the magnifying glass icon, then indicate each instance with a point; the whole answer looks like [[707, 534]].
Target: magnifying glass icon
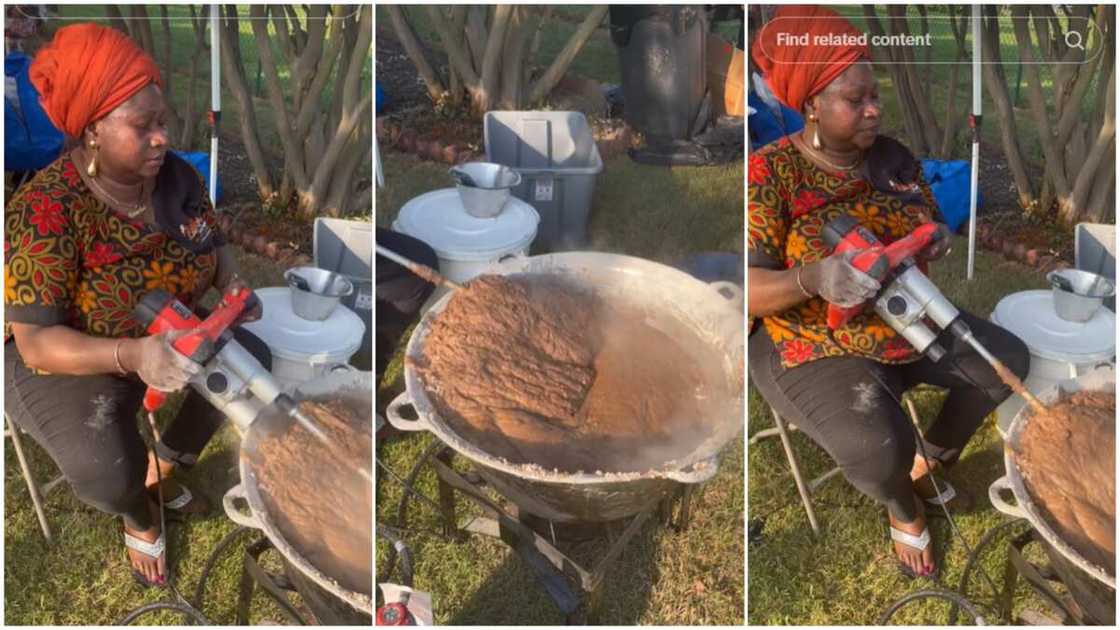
[[1073, 40]]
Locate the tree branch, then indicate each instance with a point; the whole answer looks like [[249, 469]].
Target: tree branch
[[407, 37], [491, 60], [543, 86], [293, 155], [235, 80], [456, 56], [1090, 169]]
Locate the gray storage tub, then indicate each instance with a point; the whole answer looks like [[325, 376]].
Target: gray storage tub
[[346, 247], [556, 154]]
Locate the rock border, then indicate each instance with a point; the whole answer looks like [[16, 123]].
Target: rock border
[[257, 243], [1044, 260], [408, 140]]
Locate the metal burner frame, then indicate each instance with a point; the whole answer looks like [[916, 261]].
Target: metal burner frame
[[554, 570], [277, 586], [1040, 578]]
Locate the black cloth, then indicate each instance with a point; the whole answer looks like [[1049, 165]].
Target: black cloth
[[400, 293], [850, 406], [88, 426]]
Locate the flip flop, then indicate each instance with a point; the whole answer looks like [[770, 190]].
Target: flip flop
[[152, 550], [914, 542], [177, 504], [948, 493]]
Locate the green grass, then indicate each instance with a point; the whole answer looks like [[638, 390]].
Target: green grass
[[693, 577], [848, 575], [83, 576]]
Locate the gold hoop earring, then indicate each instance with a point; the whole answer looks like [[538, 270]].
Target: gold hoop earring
[[92, 169]]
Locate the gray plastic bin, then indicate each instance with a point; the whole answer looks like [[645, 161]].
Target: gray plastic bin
[[346, 247], [556, 154]]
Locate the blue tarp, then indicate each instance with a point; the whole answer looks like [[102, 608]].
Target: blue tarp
[[30, 140], [764, 126], [951, 184], [381, 100], [201, 163]]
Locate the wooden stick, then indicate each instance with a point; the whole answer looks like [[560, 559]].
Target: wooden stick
[[424, 271]]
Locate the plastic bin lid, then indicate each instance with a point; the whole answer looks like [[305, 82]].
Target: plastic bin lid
[[439, 219], [291, 337], [1030, 315]]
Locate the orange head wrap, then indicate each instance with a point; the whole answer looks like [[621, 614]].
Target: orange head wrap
[[794, 72], [86, 72]]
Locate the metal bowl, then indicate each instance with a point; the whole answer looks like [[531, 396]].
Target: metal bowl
[[1078, 294], [351, 386], [567, 497], [1012, 481], [316, 292], [484, 187]]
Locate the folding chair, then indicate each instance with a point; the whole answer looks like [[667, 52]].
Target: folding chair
[[782, 429]]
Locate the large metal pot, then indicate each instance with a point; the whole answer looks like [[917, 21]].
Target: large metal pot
[[714, 312], [1024, 507], [355, 389]]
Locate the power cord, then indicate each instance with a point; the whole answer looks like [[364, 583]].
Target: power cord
[[180, 603], [949, 517]]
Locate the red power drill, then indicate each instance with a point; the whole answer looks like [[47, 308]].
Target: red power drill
[[159, 312], [873, 258]]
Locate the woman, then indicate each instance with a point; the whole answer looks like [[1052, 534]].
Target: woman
[[842, 387], [113, 218]]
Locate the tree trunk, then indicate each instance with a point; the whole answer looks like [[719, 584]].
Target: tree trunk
[[293, 155], [1055, 166], [407, 37], [1090, 170], [487, 96], [116, 20], [1005, 114], [235, 81], [174, 124]]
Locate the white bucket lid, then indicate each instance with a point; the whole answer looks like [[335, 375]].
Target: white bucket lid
[[292, 337], [1031, 316], [439, 219]]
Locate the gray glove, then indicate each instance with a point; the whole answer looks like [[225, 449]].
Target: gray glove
[[160, 366], [838, 282]]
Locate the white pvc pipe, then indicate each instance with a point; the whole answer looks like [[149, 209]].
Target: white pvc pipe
[[974, 179], [215, 98]]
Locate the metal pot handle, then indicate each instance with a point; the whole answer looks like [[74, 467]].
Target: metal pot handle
[[399, 422], [697, 473], [736, 294], [235, 514], [994, 490], [512, 256]]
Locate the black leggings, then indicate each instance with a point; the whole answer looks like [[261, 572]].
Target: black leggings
[[849, 406], [88, 426], [400, 293]]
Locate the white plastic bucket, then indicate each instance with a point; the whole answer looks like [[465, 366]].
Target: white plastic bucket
[[467, 245], [302, 349], [1060, 350]]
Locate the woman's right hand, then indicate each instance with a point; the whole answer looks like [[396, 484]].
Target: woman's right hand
[[159, 365], [838, 281]]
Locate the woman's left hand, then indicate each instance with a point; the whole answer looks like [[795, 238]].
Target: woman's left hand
[[236, 285], [940, 246]]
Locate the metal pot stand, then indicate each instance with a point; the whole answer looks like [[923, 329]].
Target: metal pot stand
[[325, 609], [554, 571]]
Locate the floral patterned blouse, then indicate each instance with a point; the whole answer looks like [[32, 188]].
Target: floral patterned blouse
[[69, 259], [789, 201]]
